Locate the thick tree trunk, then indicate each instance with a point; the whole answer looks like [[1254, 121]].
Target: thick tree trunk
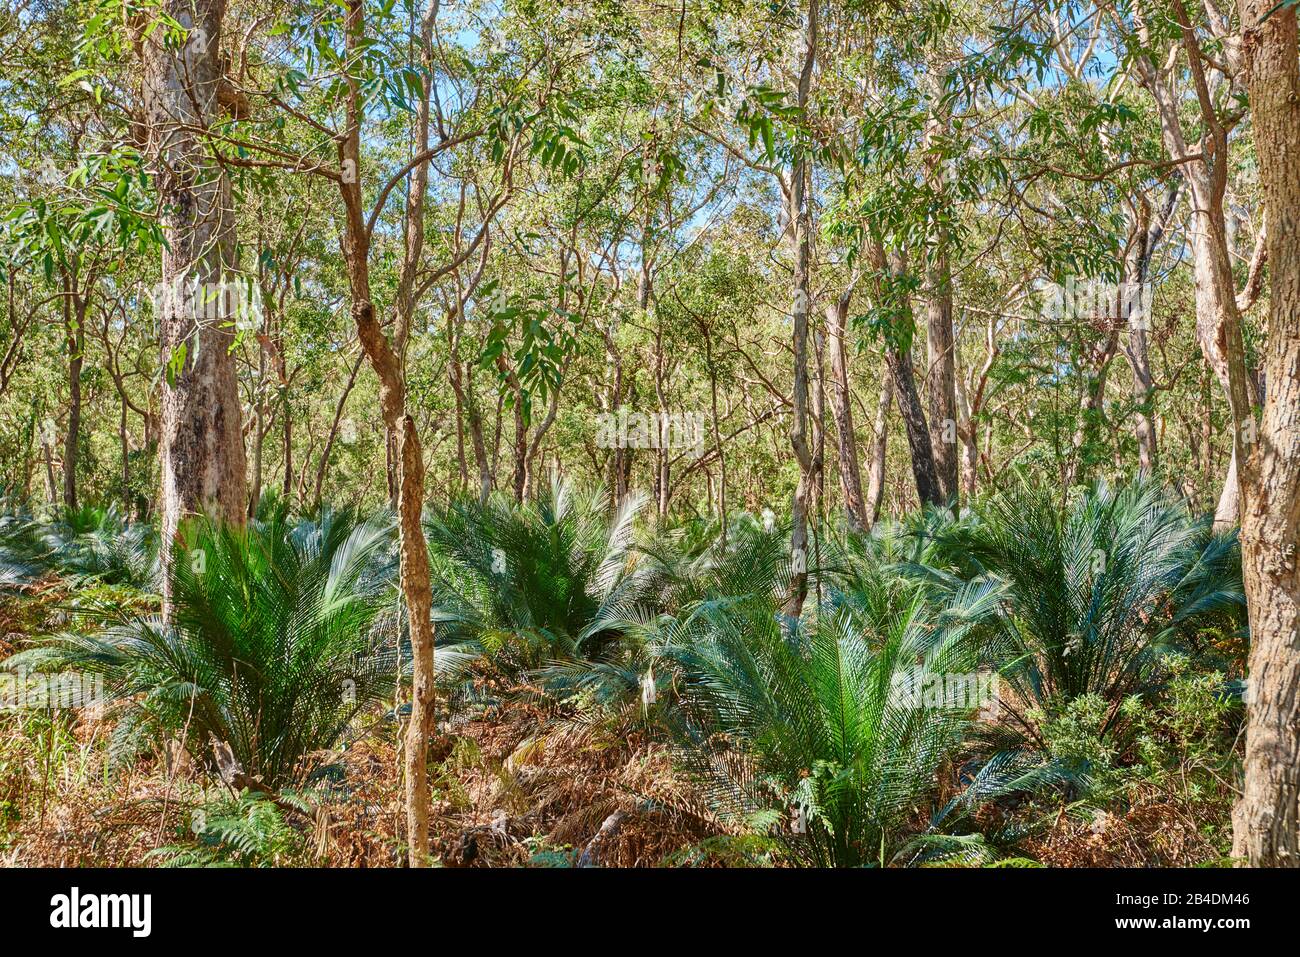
[[842, 410], [1266, 821], [202, 448]]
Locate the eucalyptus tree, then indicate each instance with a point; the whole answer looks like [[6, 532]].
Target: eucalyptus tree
[[1266, 824], [766, 90], [1159, 43], [323, 85], [894, 215], [184, 93]]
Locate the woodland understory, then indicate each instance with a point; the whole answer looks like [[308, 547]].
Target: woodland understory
[[479, 433]]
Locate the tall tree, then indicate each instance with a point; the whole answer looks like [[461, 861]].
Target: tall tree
[[940, 340], [202, 447], [1266, 824], [800, 220], [855, 506]]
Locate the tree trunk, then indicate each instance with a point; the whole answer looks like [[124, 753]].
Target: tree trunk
[[842, 410], [1266, 821], [260, 427], [941, 384], [74, 315], [879, 446], [1218, 329], [801, 241], [918, 435], [941, 347], [202, 448], [1148, 231], [413, 556]]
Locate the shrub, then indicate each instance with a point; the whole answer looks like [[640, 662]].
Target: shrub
[[1096, 592], [529, 583], [276, 641], [802, 723]]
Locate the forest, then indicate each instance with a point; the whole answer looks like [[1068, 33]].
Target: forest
[[649, 433]]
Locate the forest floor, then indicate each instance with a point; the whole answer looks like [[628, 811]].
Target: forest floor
[[503, 796], [516, 783]]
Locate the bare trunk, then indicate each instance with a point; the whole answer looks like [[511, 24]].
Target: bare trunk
[[259, 442], [51, 489], [879, 446], [1148, 232], [202, 448], [1266, 821], [941, 349], [801, 240], [75, 327], [918, 435], [413, 558], [124, 440], [1218, 329], [1219, 334], [842, 411], [617, 480], [941, 384]]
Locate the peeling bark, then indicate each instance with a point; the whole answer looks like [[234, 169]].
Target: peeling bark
[[202, 448], [1266, 821]]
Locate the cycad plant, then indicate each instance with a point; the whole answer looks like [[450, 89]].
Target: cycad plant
[[1098, 589], [828, 733], [528, 583], [100, 545], [23, 551], [676, 573], [86, 545], [278, 636]]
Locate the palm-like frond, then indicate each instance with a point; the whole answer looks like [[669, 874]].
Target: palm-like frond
[[784, 719], [1095, 589], [532, 582], [274, 643], [87, 544]]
